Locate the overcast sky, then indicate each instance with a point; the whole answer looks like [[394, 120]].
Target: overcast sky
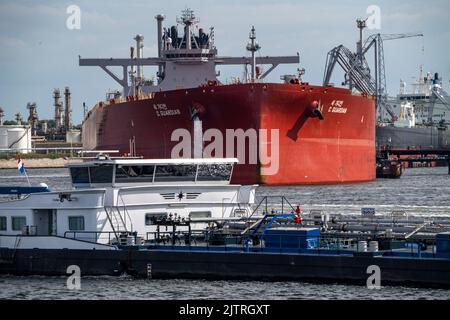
[[38, 52]]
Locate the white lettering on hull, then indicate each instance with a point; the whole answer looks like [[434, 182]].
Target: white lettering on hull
[[162, 110], [337, 107]]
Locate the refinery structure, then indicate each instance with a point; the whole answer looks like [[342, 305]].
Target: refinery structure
[[31, 134]]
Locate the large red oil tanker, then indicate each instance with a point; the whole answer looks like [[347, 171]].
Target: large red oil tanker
[[290, 132]]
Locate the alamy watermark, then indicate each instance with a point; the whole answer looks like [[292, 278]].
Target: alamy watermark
[[74, 280], [374, 280], [374, 19], [73, 22], [263, 148]]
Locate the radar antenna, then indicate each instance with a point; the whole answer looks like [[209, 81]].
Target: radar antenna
[[188, 19], [253, 46]]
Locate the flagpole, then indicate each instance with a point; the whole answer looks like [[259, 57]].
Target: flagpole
[[21, 167], [26, 175]]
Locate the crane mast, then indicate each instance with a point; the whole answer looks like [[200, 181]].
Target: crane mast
[[377, 42], [357, 70]]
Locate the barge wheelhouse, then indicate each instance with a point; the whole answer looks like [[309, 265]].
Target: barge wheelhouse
[[112, 198]]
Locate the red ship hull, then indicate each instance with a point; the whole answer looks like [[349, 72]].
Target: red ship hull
[[336, 148]]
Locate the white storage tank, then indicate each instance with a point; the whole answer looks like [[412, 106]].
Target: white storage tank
[[3, 137], [73, 136], [16, 138]]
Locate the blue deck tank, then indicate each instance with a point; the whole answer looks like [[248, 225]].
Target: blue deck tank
[[292, 238]]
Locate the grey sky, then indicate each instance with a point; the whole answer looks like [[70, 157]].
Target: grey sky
[[38, 52]]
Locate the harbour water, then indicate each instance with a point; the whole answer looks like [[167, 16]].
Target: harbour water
[[421, 191]]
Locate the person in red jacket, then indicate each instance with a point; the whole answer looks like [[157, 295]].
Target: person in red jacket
[[298, 217]]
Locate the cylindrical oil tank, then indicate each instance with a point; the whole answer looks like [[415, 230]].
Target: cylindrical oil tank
[[73, 136], [19, 138], [3, 137]]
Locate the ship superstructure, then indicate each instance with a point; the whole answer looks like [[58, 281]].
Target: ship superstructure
[[185, 60], [427, 97], [422, 115]]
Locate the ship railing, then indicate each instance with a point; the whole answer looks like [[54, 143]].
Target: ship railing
[[126, 213], [72, 151], [283, 243], [121, 99], [179, 237], [432, 213], [272, 205], [324, 244], [110, 237]]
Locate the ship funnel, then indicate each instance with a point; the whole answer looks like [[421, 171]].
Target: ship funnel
[[132, 72], [160, 18], [140, 50]]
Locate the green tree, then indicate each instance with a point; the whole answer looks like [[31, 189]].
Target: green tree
[[9, 123], [51, 123]]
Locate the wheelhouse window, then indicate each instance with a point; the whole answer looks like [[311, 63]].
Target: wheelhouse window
[[76, 223], [79, 174], [92, 174], [149, 173], [127, 174], [2, 223], [214, 172], [153, 218], [169, 173], [101, 174], [17, 223]]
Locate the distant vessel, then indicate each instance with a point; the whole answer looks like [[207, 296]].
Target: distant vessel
[[318, 134], [387, 168], [423, 115], [428, 98]]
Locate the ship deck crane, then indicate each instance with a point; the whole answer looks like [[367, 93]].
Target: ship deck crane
[[376, 41], [357, 71]]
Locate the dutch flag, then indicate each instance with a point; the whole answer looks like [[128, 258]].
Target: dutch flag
[[21, 166]]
